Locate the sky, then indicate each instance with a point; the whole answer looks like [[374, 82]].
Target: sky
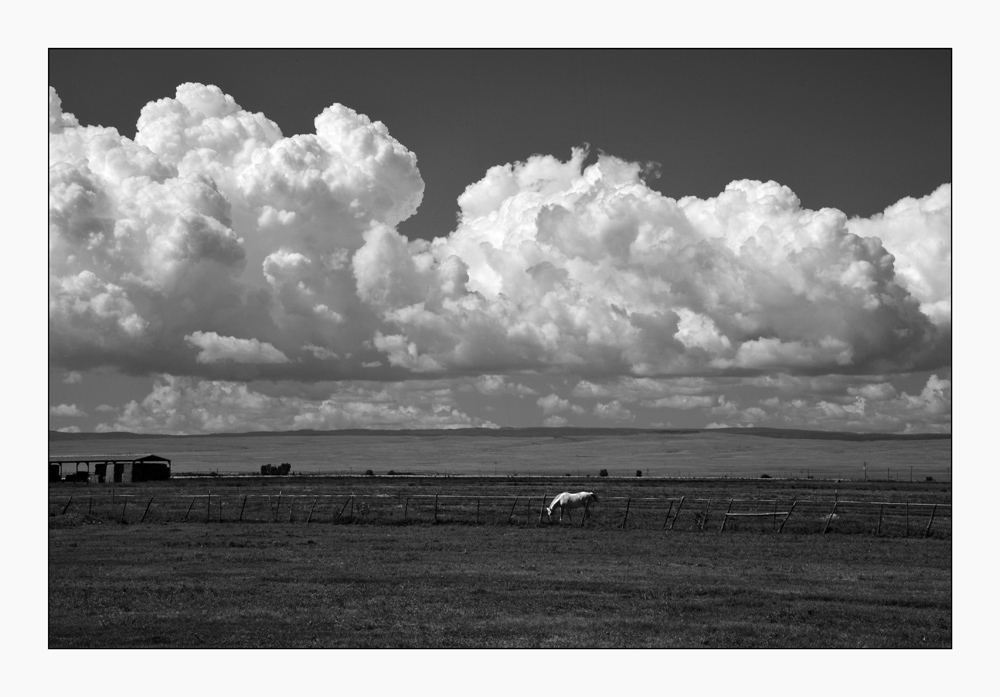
[[285, 239]]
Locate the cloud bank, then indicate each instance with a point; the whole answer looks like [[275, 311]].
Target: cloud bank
[[212, 246]]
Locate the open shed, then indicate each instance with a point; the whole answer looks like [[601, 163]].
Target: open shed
[[141, 469], [149, 468]]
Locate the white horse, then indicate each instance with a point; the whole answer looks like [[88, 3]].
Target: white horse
[[567, 502]]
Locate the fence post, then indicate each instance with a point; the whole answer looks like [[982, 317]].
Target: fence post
[[541, 509], [189, 508], [291, 508], [147, 510], [243, 506], [829, 518], [278, 507], [477, 511], [787, 516], [349, 499], [669, 508], [678, 514], [774, 516], [927, 532], [907, 519], [625, 519], [725, 517], [406, 505], [435, 509], [208, 506], [352, 506], [66, 507], [878, 529], [704, 518], [511, 510], [310, 516], [124, 506]]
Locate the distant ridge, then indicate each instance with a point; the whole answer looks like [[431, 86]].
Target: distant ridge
[[530, 432]]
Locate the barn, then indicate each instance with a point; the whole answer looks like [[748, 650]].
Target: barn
[[141, 469]]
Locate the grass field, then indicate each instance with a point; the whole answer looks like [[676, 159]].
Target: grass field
[[331, 583], [693, 454]]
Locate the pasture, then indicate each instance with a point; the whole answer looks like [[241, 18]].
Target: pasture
[[371, 578], [573, 452]]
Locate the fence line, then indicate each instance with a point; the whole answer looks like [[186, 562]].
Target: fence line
[[773, 515]]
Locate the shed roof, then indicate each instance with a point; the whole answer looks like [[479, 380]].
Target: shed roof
[[152, 458]]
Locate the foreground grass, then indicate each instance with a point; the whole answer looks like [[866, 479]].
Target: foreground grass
[[287, 585]]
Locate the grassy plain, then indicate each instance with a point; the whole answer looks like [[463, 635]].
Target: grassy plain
[[287, 585], [666, 454], [372, 579]]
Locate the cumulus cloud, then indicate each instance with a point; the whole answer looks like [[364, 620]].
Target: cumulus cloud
[[214, 246], [73, 377], [183, 405], [590, 270], [215, 348], [70, 410]]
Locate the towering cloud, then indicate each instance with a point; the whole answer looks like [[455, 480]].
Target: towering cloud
[[214, 246]]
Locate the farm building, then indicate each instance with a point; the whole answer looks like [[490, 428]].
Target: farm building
[[142, 469]]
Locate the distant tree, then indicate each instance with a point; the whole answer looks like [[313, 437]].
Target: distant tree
[[603, 473], [638, 473], [284, 468], [765, 476], [929, 479], [391, 473], [369, 473]]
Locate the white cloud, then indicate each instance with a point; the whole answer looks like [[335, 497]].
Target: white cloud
[[73, 377], [215, 348], [612, 411], [179, 405], [70, 410], [279, 257]]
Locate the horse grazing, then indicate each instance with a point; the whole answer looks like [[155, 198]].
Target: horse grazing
[[567, 502]]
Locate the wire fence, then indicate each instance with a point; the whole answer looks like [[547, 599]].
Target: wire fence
[[721, 515]]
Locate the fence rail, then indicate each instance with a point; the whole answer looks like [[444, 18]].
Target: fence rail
[[685, 513]]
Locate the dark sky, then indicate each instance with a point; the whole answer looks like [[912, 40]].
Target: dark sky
[[850, 129]]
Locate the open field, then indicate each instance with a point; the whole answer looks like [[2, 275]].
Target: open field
[[657, 454], [371, 579], [252, 585]]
